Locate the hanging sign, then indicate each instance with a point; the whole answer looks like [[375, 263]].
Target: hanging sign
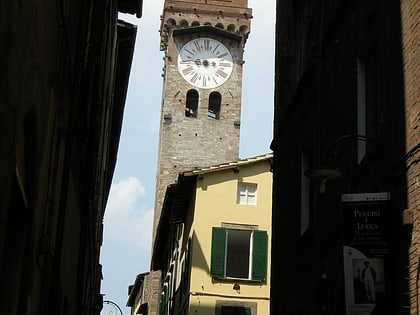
[[365, 251]]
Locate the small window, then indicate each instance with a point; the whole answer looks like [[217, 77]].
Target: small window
[[305, 193], [184, 23], [231, 28], [191, 106], [215, 99], [239, 254], [243, 29], [235, 310], [247, 194]]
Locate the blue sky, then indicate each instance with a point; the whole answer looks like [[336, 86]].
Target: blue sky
[[129, 213]]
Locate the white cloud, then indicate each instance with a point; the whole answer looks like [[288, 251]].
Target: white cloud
[[128, 220], [124, 194]]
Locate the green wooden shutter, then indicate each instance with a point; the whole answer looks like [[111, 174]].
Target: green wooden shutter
[[163, 309], [259, 255], [218, 249]]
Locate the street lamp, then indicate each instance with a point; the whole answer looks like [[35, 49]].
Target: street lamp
[[115, 305]]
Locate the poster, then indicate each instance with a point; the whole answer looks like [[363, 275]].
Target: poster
[[365, 251]]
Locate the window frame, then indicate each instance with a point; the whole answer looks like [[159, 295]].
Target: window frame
[[252, 306], [247, 194], [258, 254]]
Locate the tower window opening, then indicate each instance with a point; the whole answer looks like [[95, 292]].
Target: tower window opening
[[215, 100], [191, 106], [231, 28]]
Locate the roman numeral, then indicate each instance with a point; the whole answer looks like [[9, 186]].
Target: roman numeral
[[207, 44], [221, 73], [225, 64], [197, 45], [187, 70], [214, 50], [222, 55], [190, 52], [194, 78]]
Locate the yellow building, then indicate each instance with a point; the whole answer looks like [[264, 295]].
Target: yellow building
[[213, 241]]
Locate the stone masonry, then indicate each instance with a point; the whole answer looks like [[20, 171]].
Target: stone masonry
[[186, 143], [410, 28]]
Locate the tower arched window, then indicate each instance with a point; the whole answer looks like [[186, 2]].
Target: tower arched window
[[191, 106], [215, 100]]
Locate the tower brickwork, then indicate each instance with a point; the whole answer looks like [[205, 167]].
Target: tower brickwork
[[203, 43]]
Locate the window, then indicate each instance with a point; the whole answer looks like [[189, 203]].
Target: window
[[247, 194], [369, 114], [226, 307], [305, 193], [191, 106], [361, 106], [235, 310], [239, 254], [215, 99]]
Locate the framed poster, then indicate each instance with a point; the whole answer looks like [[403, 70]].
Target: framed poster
[[365, 250]]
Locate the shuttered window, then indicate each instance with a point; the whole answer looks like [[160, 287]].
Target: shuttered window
[[163, 309], [218, 250], [229, 247], [259, 255]]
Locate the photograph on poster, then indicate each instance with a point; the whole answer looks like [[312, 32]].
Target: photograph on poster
[[368, 281]]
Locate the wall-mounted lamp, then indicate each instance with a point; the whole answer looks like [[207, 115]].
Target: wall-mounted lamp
[[324, 174], [114, 305], [236, 287]]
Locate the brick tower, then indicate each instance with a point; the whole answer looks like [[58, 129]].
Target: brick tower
[[203, 43]]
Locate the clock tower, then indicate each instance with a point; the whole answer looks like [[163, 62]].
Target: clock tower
[[203, 43]]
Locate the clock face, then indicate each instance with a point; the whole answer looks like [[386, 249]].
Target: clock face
[[205, 63]]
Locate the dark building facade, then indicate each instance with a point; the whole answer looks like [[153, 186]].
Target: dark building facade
[[346, 152], [65, 67]]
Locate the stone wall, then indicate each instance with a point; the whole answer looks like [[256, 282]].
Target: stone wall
[[411, 64], [185, 142]]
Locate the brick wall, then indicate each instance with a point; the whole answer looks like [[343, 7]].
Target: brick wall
[[186, 143], [411, 49]]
